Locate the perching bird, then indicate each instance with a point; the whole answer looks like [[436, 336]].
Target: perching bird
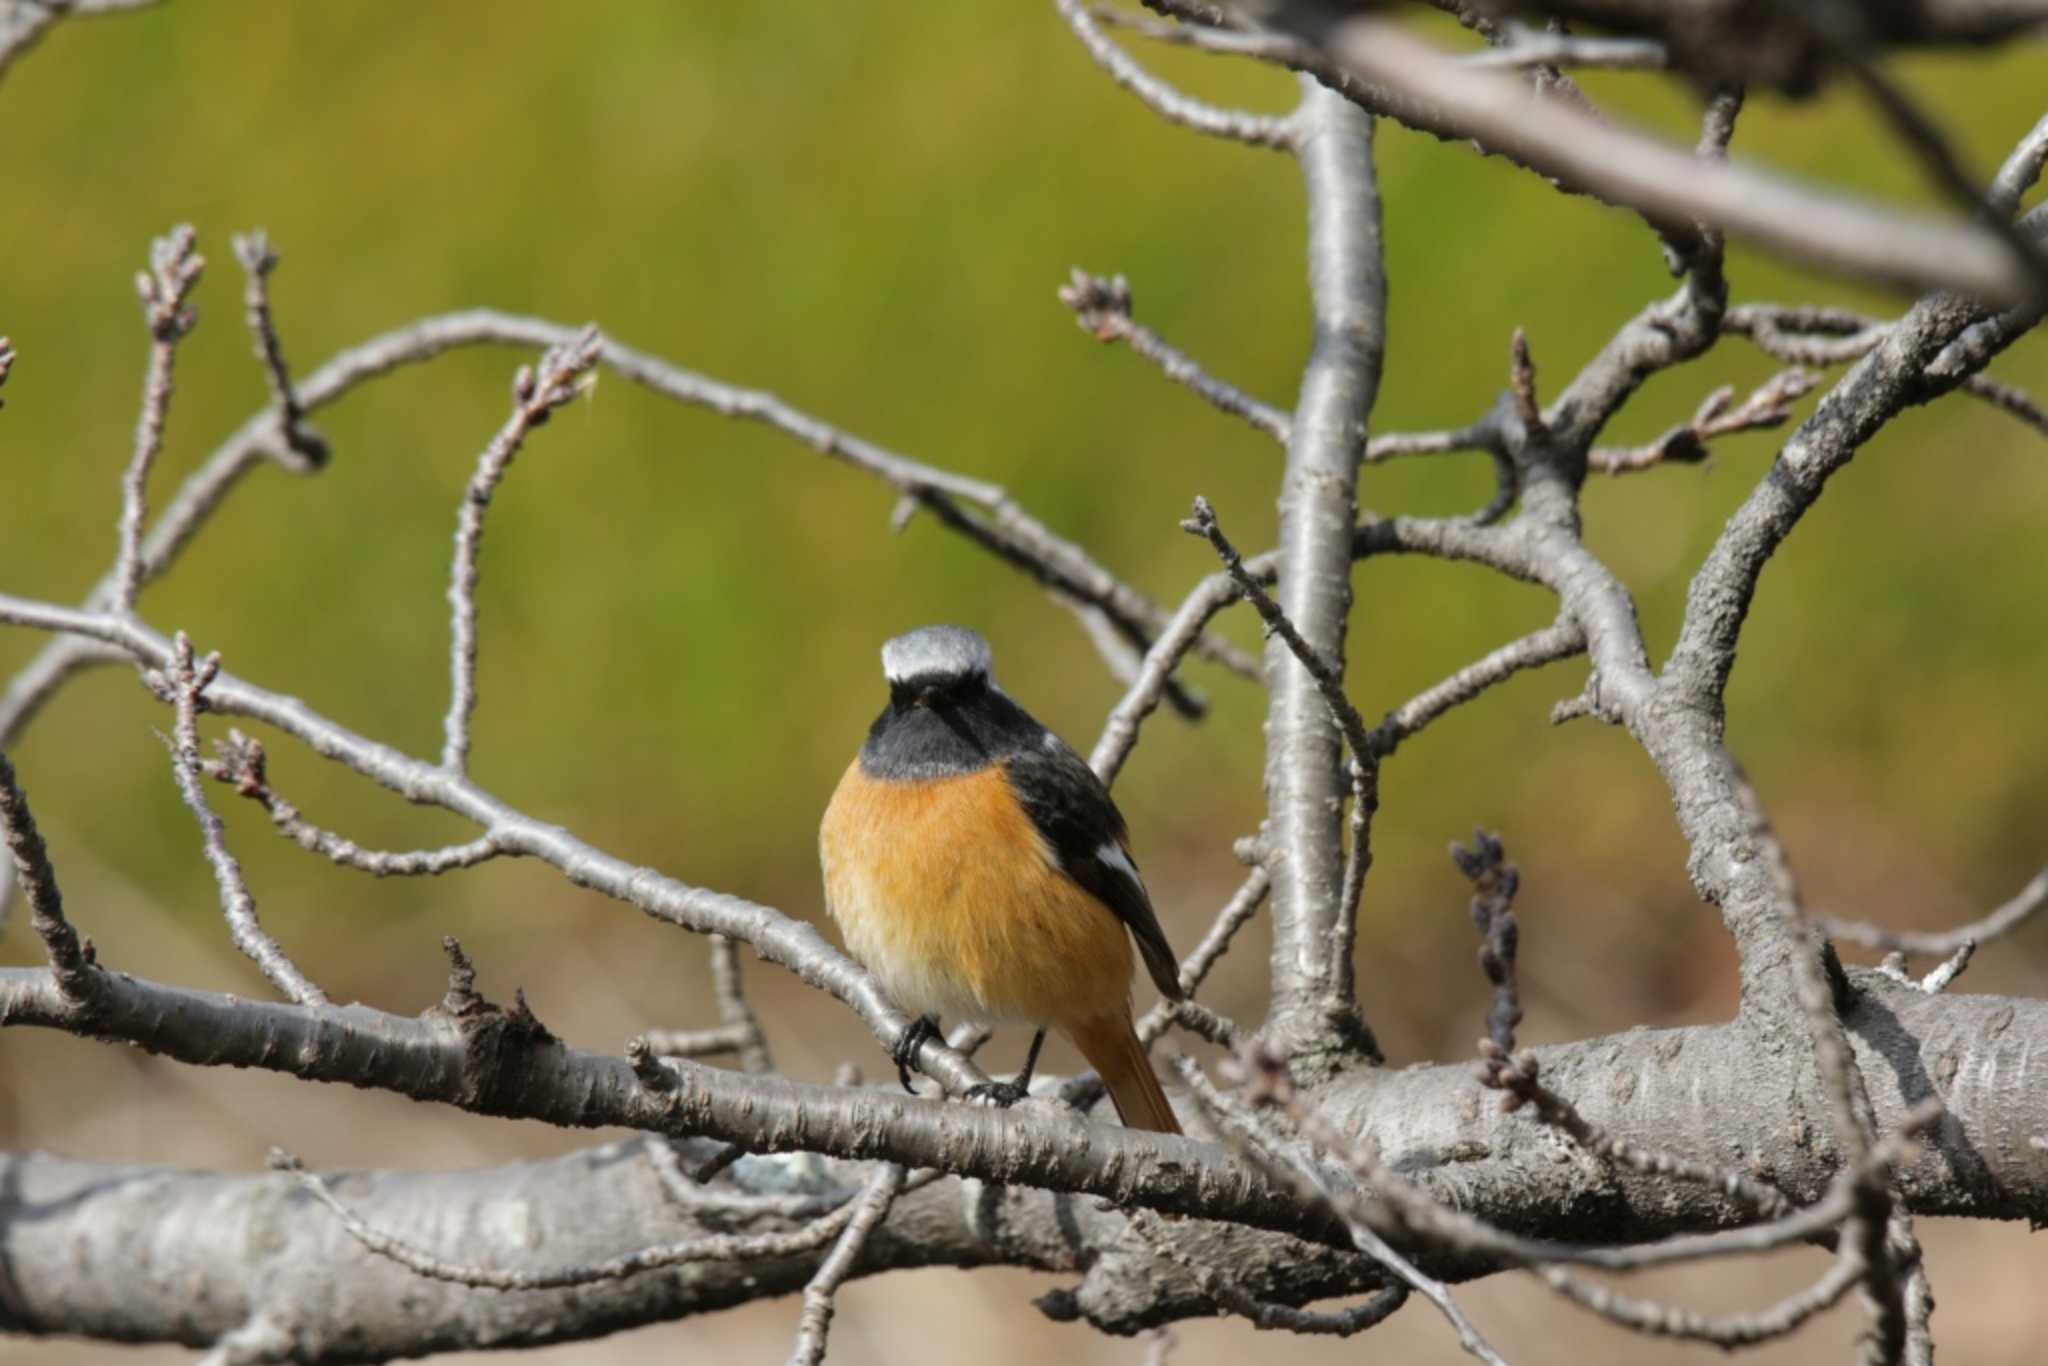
[[979, 869]]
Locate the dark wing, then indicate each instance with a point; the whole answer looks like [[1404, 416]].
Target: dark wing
[[1073, 810]]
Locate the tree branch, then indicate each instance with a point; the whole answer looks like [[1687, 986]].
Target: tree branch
[[1313, 1008], [1427, 88]]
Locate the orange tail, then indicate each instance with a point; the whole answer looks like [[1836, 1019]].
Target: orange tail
[[1112, 1049]]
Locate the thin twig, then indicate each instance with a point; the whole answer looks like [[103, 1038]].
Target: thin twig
[[1410, 79], [1102, 307], [697, 1043], [1893, 968], [182, 683], [1833, 336], [1260, 130], [165, 289], [1522, 47], [1923, 138], [1517, 1074], [1769, 405], [2022, 167], [1723, 1330], [302, 448], [1480, 436], [1183, 630], [1243, 904], [22, 22], [703, 1248], [1243, 1132], [71, 961], [2002, 921], [869, 1209], [1364, 768], [733, 1009], [536, 393], [1865, 1233], [1560, 640], [242, 765]]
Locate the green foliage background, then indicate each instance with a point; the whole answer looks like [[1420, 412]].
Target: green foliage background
[[867, 209]]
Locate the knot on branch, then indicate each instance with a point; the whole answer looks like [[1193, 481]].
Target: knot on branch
[[1101, 304], [493, 1038], [165, 288], [654, 1073]]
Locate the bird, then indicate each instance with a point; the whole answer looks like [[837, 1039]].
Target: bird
[[977, 867]]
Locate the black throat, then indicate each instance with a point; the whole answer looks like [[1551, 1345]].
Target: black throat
[[919, 737]]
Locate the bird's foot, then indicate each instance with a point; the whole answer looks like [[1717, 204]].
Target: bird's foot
[[922, 1030], [1003, 1094]]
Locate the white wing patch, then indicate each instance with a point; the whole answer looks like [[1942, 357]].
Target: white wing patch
[[1111, 855]]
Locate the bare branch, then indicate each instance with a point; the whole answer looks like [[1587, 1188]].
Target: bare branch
[[733, 1009], [1442, 94], [182, 681], [698, 1043], [1924, 139], [1722, 1330], [2002, 921], [1494, 882], [868, 1210], [1767, 406], [1260, 130], [1893, 968], [242, 765], [70, 961], [2021, 169], [23, 22], [1560, 640], [1386, 446], [1314, 1008], [1120, 731], [1102, 307], [165, 288], [1327, 680], [1521, 47], [303, 448], [1831, 336], [705, 1248], [1245, 1134], [535, 395]]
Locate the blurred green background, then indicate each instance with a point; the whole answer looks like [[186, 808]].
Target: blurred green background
[[867, 209]]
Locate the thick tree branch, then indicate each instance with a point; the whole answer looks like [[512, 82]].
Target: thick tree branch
[[1313, 1007], [1708, 1092], [1410, 80]]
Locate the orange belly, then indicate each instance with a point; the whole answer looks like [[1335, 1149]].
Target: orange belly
[[948, 894]]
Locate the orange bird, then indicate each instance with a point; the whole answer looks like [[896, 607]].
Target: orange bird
[[979, 869]]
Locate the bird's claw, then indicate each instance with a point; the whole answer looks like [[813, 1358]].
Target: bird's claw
[[922, 1030], [1003, 1094]]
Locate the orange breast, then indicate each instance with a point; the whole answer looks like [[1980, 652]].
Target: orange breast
[[949, 895]]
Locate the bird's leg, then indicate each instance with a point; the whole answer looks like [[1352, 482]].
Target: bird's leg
[[922, 1030], [1008, 1093]]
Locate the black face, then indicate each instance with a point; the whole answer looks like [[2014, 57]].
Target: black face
[[944, 725]]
